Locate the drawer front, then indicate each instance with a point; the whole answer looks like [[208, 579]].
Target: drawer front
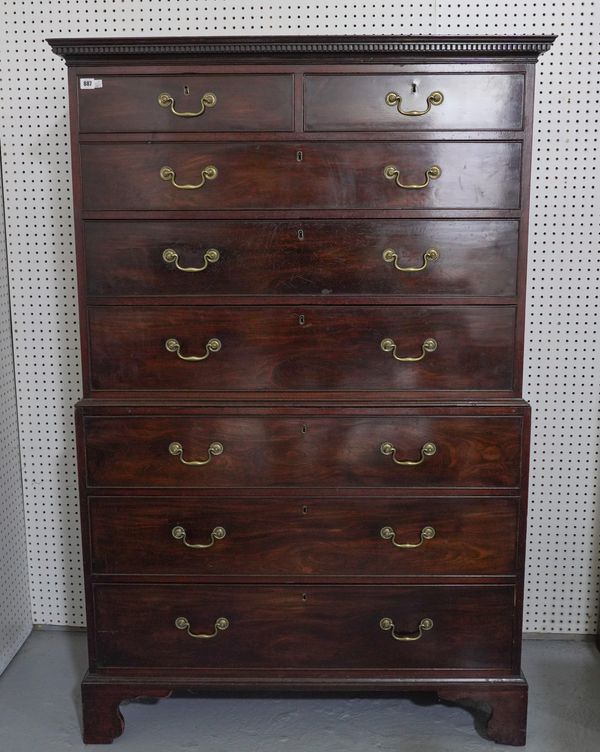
[[470, 452], [302, 348], [294, 537], [303, 257], [309, 627], [477, 175], [378, 102], [219, 102]]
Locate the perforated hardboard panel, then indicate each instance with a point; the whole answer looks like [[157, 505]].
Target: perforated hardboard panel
[[561, 381], [15, 611]]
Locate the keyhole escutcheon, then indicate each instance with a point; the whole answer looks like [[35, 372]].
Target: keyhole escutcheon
[[299, 156]]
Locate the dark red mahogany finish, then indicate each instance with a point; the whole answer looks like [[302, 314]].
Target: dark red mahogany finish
[[307, 256], [342, 175], [328, 348], [331, 259]]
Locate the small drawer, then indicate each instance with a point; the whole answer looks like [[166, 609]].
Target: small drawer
[[327, 348], [309, 627], [413, 101], [414, 451], [314, 175], [326, 258], [188, 104], [303, 536]]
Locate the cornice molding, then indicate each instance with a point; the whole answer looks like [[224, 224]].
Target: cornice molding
[[291, 46]]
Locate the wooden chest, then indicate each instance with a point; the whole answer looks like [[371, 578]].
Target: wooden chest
[[302, 446]]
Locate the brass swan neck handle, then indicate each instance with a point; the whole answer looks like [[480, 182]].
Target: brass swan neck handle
[[393, 99], [170, 256], [213, 345], [427, 450], [221, 624], [214, 450], [209, 172], [207, 100], [391, 257], [429, 345], [391, 172], [217, 534], [389, 534], [388, 626]]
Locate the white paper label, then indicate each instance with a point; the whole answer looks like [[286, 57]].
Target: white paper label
[[90, 83]]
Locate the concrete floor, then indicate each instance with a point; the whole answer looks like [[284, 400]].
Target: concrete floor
[[39, 711]]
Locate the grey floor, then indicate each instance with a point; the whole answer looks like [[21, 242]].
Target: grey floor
[[39, 711]]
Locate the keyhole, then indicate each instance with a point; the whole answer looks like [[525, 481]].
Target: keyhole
[[299, 156], [304, 428], [305, 510], [186, 91], [304, 596], [300, 234], [414, 87], [301, 319]]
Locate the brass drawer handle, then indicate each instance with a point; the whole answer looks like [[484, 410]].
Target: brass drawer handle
[[212, 346], [388, 533], [210, 172], [391, 257], [179, 533], [206, 100], [427, 450], [214, 450], [393, 173], [428, 346], [221, 625], [211, 256], [424, 626], [394, 99]]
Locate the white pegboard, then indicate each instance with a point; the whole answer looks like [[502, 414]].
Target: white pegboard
[[560, 365], [562, 377], [15, 610]]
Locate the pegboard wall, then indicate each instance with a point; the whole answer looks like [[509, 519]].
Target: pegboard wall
[[561, 371], [15, 611]]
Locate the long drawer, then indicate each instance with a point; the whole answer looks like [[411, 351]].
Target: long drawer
[[189, 103], [313, 175], [438, 451], [326, 258], [309, 627], [332, 348], [303, 536], [413, 101]]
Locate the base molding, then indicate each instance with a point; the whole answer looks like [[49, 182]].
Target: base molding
[[506, 699]]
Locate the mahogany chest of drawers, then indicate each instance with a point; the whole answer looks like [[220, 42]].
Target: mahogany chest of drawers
[[302, 445]]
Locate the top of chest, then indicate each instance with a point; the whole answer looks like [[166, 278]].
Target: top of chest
[[307, 48], [310, 84]]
